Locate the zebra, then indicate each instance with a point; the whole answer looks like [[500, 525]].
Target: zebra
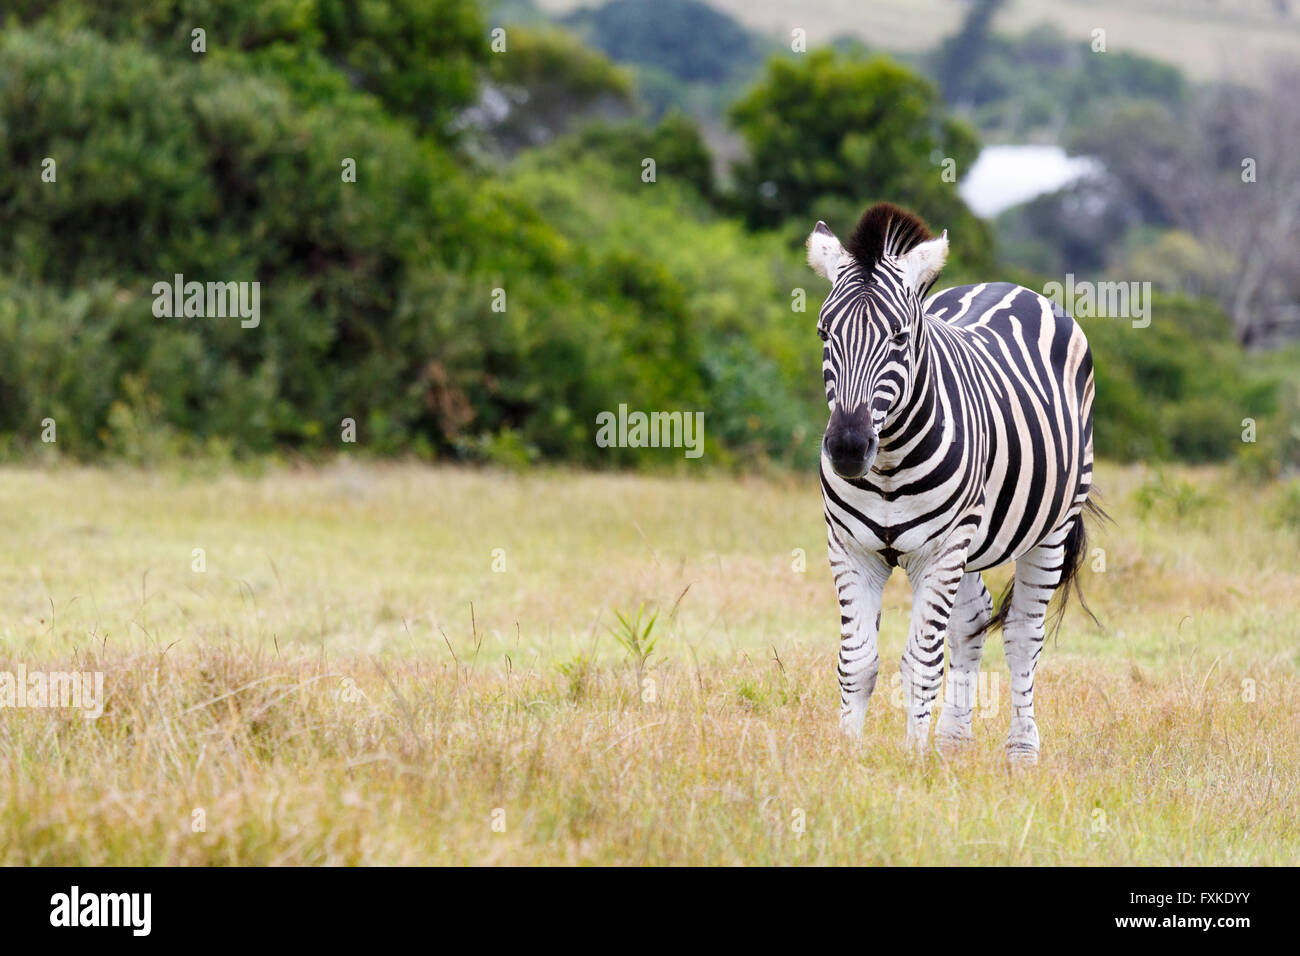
[[960, 438]]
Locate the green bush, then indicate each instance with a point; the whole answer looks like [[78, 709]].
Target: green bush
[[830, 134], [1177, 389], [379, 297], [375, 295], [701, 309], [420, 58], [687, 38]]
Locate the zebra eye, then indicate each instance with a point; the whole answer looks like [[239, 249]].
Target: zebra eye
[[821, 334], [899, 337]]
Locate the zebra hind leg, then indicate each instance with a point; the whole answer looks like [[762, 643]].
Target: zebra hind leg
[[971, 612], [1038, 573]]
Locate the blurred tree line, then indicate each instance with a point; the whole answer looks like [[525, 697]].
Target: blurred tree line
[[500, 270]]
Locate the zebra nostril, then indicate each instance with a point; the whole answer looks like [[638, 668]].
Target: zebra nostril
[[850, 451], [850, 442], [850, 446]]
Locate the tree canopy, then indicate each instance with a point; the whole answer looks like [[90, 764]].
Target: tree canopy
[[829, 132]]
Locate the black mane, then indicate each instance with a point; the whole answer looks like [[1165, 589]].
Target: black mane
[[885, 230]]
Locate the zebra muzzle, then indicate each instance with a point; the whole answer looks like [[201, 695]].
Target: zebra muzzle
[[850, 442]]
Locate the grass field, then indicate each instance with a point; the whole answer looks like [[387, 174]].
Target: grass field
[[340, 676]]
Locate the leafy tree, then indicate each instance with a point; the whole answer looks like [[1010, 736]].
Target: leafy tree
[[1178, 388], [1044, 80], [1228, 172], [375, 294], [825, 127], [548, 83], [686, 38], [686, 55], [961, 54], [421, 58], [674, 143]]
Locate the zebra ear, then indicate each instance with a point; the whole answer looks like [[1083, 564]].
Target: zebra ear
[[824, 251], [922, 265]]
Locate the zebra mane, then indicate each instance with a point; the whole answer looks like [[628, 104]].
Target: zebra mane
[[885, 230]]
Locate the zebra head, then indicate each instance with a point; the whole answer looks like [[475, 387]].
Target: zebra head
[[871, 325]]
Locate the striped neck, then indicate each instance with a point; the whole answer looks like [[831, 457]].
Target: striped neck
[[916, 412]]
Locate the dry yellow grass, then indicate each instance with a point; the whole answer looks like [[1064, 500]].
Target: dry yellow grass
[[319, 695]]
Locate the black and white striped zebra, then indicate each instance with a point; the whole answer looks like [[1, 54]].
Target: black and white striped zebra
[[960, 437]]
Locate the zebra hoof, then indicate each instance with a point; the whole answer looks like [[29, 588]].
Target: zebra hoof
[[952, 731], [950, 741], [917, 741], [1022, 742], [1022, 758]]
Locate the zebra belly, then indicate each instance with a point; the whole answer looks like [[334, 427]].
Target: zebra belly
[[995, 544]]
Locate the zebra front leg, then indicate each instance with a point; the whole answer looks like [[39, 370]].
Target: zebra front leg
[[1038, 572], [922, 666], [971, 612], [860, 582]]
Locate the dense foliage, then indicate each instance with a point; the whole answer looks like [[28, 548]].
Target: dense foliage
[[452, 304], [547, 83], [377, 295], [687, 38], [686, 54], [1043, 81], [1179, 388], [421, 58], [826, 133]]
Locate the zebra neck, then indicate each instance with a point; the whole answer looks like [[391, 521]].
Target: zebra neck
[[915, 424]]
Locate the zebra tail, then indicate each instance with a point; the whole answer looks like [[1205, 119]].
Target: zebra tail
[[1076, 552]]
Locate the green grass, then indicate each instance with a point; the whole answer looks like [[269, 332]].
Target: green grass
[[350, 681]]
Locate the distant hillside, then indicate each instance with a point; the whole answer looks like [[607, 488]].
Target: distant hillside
[[709, 48], [1207, 38]]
